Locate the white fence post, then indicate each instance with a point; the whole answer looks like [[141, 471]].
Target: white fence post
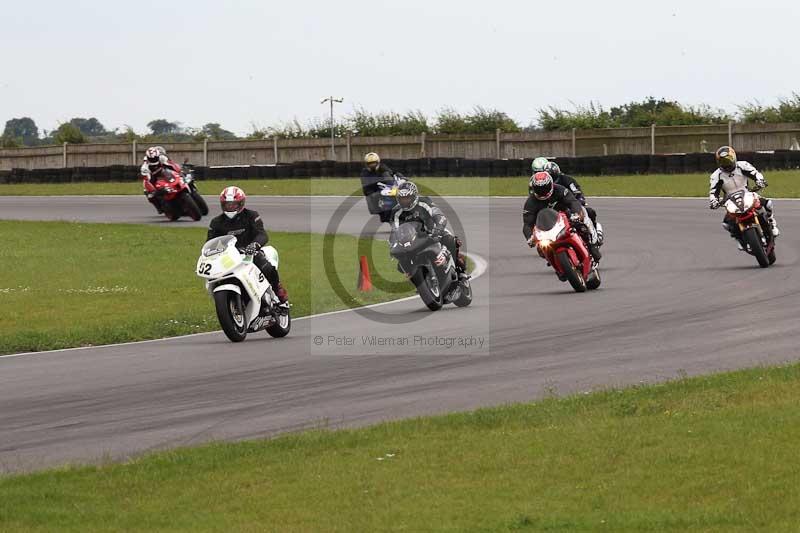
[[64, 162], [133, 152], [275, 148], [652, 139], [422, 145], [205, 152], [730, 133], [497, 143], [349, 148]]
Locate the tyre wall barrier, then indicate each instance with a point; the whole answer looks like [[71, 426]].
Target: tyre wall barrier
[[438, 166]]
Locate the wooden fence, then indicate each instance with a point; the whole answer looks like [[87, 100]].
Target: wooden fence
[[499, 145]]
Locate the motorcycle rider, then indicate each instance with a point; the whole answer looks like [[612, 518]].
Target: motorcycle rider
[[542, 164], [411, 207], [155, 161], [544, 192], [375, 174], [732, 176], [251, 236]]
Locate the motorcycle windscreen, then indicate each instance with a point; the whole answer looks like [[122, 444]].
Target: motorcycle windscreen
[[217, 245], [407, 237], [546, 219]]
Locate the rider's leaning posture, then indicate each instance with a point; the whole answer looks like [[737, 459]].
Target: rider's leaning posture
[[731, 177]]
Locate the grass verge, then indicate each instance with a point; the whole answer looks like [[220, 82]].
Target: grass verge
[[68, 284], [783, 184], [713, 453]]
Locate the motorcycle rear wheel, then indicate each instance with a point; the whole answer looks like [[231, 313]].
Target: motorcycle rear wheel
[[573, 276], [465, 298], [753, 242], [281, 327], [593, 281], [771, 256], [230, 313]]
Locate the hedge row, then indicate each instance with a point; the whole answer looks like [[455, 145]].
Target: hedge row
[[443, 167]]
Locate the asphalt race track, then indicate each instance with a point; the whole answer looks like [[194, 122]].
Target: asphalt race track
[[677, 297]]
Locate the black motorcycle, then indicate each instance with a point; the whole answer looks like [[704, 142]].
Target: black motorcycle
[[430, 267]]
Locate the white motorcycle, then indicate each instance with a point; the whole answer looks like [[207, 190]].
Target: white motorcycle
[[243, 297]]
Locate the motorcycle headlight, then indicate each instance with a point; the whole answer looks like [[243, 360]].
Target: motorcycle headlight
[[545, 243]]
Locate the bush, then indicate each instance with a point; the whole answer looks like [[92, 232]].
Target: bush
[[635, 114], [69, 133], [482, 120], [787, 110]]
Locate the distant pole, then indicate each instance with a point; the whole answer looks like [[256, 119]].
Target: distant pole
[[64, 165], [730, 133], [652, 139], [133, 151], [332, 101], [205, 152]]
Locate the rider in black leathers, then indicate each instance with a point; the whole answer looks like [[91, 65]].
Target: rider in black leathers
[[411, 207], [251, 236], [375, 173], [543, 194]]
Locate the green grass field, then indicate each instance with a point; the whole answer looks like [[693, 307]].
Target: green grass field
[[714, 453], [783, 184], [67, 284]]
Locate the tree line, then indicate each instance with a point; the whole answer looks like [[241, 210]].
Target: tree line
[[23, 131]]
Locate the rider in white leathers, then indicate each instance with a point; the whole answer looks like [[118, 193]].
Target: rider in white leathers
[[732, 176]]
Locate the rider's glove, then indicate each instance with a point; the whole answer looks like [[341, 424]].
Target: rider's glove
[[575, 217], [532, 241], [761, 183], [252, 248], [437, 232], [713, 203]]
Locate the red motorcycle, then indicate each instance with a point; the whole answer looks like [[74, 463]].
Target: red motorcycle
[[755, 234], [563, 248], [177, 195]]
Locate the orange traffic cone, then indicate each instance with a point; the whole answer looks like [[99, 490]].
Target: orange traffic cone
[[364, 279]]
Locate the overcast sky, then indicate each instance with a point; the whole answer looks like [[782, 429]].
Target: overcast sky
[[260, 62]]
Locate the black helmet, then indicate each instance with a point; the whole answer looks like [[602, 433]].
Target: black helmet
[[553, 168], [407, 196]]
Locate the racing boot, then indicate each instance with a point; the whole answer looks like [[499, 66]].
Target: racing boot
[[598, 227], [773, 225], [594, 249], [283, 296], [769, 214]]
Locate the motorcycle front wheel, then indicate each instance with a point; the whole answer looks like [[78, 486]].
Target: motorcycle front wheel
[[190, 206], [428, 288], [573, 276], [200, 201], [753, 242], [230, 312]]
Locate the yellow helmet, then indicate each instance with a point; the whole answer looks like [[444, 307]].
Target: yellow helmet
[[372, 161], [726, 158]]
